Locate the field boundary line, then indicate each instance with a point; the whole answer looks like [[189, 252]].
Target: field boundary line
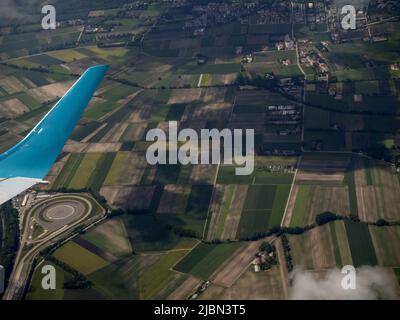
[[221, 267], [200, 80], [210, 204], [189, 250], [291, 189]]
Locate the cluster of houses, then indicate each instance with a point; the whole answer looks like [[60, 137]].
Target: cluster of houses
[[215, 13], [278, 14], [395, 66], [286, 44], [277, 168], [136, 5], [386, 5], [283, 114], [265, 258], [311, 12], [311, 58]]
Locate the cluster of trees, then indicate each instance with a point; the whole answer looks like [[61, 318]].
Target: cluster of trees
[[97, 196], [278, 231], [257, 81], [9, 236], [38, 69], [185, 233], [266, 247], [320, 220], [286, 251], [326, 217], [269, 252]]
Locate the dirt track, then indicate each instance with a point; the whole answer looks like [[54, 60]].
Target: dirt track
[[236, 265]]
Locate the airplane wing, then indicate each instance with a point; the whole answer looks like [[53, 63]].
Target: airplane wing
[[29, 161]]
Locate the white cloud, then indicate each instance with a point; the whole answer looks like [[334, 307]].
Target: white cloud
[[371, 283]]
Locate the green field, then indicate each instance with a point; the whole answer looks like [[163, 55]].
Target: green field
[[349, 180], [227, 175], [110, 236], [360, 242], [198, 201], [257, 210], [116, 168], [259, 197], [383, 238], [278, 208], [138, 276], [86, 169], [336, 248], [205, 259], [124, 281], [175, 112], [118, 92], [67, 55], [300, 212], [84, 130], [79, 258], [100, 109], [225, 210], [159, 275], [367, 87], [263, 177], [167, 174], [253, 222], [150, 232], [68, 171], [36, 292], [100, 173]]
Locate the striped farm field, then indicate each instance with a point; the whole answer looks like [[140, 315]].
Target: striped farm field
[[225, 211], [67, 55], [86, 168], [278, 207], [256, 211], [312, 200], [301, 206], [205, 259], [110, 236], [160, 275], [100, 173], [360, 242], [205, 80], [385, 240], [313, 249], [338, 231], [79, 258], [68, 171]]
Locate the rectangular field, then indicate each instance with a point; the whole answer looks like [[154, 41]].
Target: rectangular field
[[360, 242], [205, 259], [79, 258]]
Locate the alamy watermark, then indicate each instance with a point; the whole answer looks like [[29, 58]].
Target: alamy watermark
[[49, 280], [350, 17], [186, 147], [349, 280], [49, 20]]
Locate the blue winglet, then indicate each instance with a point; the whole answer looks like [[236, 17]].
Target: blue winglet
[[33, 156]]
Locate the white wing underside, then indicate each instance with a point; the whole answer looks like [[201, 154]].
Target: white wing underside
[[11, 187]]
